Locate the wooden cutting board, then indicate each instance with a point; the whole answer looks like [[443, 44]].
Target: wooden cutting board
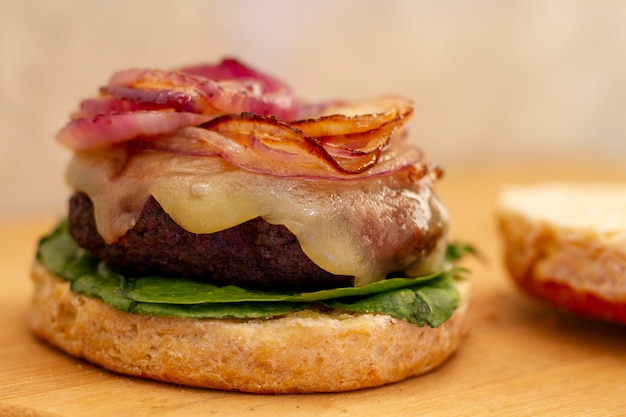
[[518, 358]]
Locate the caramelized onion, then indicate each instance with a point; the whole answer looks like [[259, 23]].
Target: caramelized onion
[[262, 154], [356, 117], [345, 134], [246, 117], [231, 69], [228, 88], [86, 133], [182, 99]]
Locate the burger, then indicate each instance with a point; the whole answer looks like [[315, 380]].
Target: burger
[[222, 233]]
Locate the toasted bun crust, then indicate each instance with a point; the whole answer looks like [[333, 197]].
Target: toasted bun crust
[[566, 244], [304, 352]]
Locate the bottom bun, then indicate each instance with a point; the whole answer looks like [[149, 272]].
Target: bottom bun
[[566, 244], [305, 352]]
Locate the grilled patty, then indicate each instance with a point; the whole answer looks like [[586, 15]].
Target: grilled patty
[[254, 254]]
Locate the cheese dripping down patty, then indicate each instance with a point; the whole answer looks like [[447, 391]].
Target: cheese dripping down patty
[[364, 228]]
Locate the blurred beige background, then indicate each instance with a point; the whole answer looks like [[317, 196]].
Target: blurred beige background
[[490, 79]]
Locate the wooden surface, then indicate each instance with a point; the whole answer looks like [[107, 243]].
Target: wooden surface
[[518, 358]]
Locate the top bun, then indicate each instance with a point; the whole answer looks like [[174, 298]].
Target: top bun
[[566, 244]]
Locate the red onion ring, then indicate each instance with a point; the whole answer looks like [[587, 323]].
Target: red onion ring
[[236, 88], [106, 129], [231, 69]]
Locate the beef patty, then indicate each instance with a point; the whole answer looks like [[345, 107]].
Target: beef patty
[[254, 254]]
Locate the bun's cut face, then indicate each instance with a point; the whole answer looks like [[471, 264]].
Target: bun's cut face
[[210, 198], [565, 244]]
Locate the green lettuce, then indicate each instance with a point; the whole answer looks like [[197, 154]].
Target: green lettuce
[[425, 300]]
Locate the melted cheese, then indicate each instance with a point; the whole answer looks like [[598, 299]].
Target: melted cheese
[[362, 228]]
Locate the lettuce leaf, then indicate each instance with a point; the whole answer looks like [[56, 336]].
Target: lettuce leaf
[[425, 300]]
